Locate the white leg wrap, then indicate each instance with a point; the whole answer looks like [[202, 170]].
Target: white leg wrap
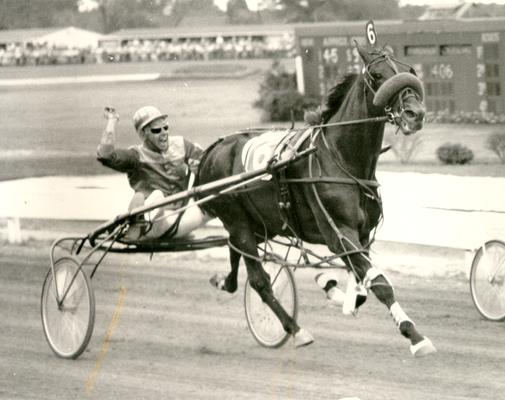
[[355, 293], [398, 314]]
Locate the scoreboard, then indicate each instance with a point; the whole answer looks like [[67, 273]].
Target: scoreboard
[[461, 62]]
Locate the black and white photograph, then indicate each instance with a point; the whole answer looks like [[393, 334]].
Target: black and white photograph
[[252, 199]]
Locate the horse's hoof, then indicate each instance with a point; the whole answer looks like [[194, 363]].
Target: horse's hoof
[[423, 348], [218, 281], [303, 338]]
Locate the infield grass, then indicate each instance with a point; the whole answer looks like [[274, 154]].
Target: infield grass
[[54, 130]]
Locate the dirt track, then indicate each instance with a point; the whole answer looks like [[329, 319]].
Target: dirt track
[[177, 338]]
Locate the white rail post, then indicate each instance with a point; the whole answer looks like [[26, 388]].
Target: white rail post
[[300, 83], [14, 230]]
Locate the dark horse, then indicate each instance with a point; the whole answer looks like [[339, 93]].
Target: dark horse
[[327, 208]]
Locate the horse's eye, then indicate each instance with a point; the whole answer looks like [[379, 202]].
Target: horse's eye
[[376, 75]]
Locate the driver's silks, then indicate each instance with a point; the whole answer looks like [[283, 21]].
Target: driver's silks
[[355, 296]]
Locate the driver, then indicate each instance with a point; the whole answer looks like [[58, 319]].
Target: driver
[[159, 166]]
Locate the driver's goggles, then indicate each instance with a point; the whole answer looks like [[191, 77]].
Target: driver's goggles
[[155, 131]]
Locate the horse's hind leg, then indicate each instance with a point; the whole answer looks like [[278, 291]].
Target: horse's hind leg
[[228, 283], [244, 240]]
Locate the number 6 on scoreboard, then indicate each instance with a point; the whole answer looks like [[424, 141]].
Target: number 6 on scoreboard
[[371, 34]]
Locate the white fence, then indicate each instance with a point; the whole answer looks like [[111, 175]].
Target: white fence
[[427, 209]]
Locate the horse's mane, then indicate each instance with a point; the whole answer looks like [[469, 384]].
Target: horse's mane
[[336, 96]]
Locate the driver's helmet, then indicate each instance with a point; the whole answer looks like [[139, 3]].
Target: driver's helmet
[[145, 115]]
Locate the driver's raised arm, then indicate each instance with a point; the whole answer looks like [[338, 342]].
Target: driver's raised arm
[[118, 159]]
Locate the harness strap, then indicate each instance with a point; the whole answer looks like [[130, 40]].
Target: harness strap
[[384, 118], [341, 237], [331, 179], [285, 201]]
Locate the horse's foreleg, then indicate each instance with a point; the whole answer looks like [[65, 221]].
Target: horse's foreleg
[[379, 284], [382, 288]]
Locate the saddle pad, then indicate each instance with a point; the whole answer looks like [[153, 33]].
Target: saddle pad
[[260, 149]]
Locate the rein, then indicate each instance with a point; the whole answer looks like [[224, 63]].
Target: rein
[[330, 179], [385, 118]]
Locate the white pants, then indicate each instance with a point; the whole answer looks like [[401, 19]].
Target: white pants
[[163, 222]]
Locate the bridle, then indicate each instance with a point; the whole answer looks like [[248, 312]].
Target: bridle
[[393, 117]]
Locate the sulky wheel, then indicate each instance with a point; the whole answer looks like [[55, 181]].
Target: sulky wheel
[[68, 327], [263, 323], [487, 280]]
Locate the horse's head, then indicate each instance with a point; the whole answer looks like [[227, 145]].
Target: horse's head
[[395, 88]]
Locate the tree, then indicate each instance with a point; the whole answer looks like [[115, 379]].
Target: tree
[[299, 10], [372, 9], [238, 12], [175, 11], [332, 10], [117, 14], [101, 15], [18, 14]]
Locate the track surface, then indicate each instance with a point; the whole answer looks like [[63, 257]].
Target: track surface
[[177, 338]]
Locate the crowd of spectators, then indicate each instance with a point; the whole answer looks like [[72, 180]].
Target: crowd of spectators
[[43, 54], [147, 50]]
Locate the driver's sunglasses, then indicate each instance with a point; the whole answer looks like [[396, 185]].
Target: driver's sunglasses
[[155, 131]]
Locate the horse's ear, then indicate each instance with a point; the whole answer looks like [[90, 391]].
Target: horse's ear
[[313, 117], [364, 54]]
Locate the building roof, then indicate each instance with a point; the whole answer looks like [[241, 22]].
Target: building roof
[[24, 35], [202, 31], [456, 11], [40, 34]]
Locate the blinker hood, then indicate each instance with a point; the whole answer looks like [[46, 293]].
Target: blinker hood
[[396, 83]]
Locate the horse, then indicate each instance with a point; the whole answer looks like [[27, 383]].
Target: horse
[[334, 191]]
